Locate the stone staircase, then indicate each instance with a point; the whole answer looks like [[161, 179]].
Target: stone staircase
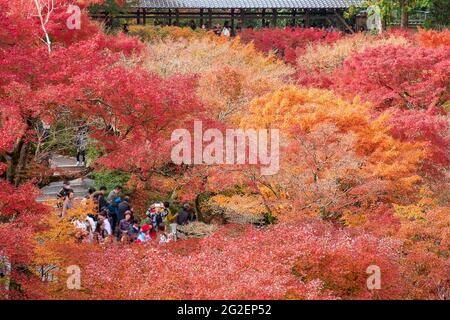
[[65, 167], [80, 187]]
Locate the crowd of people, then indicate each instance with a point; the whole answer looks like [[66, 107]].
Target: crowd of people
[[114, 218]]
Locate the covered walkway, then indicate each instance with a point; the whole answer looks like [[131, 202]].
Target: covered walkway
[[240, 13]]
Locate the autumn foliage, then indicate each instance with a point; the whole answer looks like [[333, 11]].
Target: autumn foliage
[[288, 43], [364, 165]]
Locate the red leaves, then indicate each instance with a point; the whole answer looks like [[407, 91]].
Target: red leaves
[[227, 266], [19, 216], [288, 43], [395, 76], [143, 108], [426, 126], [295, 260]]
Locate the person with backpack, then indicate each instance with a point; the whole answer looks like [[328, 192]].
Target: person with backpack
[[123, 207], [133, 232], [183, 215], [63, 193], [99, 197]]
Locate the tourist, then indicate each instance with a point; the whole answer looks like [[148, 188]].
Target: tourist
[[158, 218], [123, 207], [90, 193], [106, 230], [217, 29], [63, 192], [226, 30], [163, 237], [89, 196], [192, 25], [170, 220], [183, 215], [133, 232], [165, 211], [154, 214], [113, 204], [144, 235], [68, 202], [91, 226], [81, 143], [124, 225], [99, 197], [114, 194]]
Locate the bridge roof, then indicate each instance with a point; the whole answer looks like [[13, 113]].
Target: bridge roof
[[247, 4]]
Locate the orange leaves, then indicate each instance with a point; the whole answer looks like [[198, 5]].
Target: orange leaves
[[230, 73], [433, 39], [335, 156], [167, 33]]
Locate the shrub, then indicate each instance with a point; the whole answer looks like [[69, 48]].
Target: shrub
[[320, 60], [230, 74], [242, 209], [433, 39], [154, 34], [110, 178], [197, 229], [287, 43], [397, 76]]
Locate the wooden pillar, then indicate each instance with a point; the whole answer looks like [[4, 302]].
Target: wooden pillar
[[341, 19], [274, 17], [294, 17], [170, 17], [138, 16], [144, 16], [307, 19], [201, 18], [242, 18], [233, 29], [177, 17], [210, 19], [263, 19]]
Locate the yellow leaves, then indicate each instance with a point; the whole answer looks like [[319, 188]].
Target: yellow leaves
[[352, 219], [341, 130], [417, 210], [305, 108], [249, 203], [230, 74], [58, 233], [151, 33], [62, 229]]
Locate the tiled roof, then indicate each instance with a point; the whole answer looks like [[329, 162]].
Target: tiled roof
[[247, 4]]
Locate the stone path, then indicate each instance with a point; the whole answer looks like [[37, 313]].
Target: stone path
[[66, 166]]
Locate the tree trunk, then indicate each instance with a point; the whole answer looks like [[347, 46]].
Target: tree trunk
[[404, 14], [12, 161], [197, 208], [21, 164], [17, 160]]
